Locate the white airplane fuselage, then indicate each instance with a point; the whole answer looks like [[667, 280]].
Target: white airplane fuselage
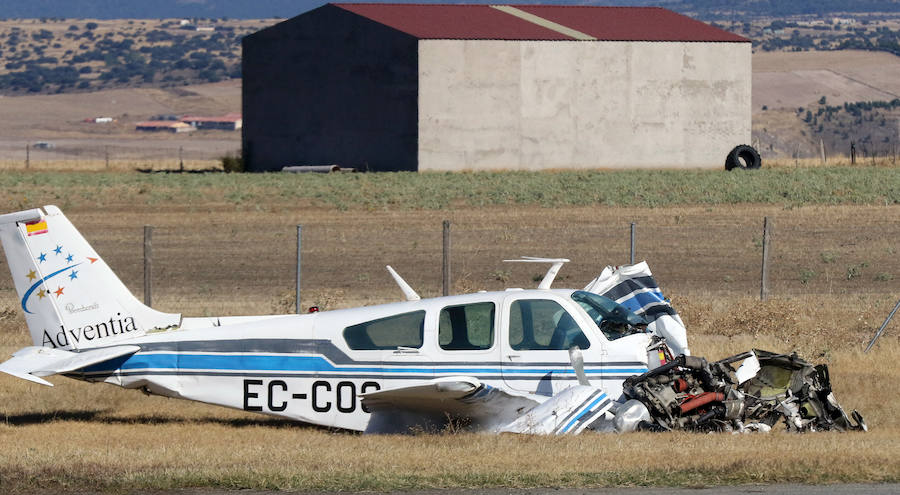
[[504, 361], [302, 367]]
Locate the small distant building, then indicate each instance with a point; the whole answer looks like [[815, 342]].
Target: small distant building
[[205, 28], [163, 126], [100, 120], [227, 122]]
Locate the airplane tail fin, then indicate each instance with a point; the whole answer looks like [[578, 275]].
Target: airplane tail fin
[[70, 296]]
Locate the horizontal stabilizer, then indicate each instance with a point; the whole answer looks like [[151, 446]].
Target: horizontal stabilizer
[[34, 361], [566, 413]]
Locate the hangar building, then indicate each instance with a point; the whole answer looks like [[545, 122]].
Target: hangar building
[[474, 87]]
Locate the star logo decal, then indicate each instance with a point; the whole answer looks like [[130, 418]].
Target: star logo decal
[[38, 278]]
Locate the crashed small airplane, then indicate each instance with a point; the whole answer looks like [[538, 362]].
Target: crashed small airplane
[[545, 361]]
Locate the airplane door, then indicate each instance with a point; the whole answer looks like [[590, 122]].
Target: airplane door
[[537, 334], [405, 359], [387, 352]]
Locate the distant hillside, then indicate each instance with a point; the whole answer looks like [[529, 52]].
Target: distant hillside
[[242, 9], [159, 9], [59, 56]]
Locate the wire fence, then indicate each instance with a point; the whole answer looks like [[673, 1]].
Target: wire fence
[[259, 262], [149, 153], [204, 267]]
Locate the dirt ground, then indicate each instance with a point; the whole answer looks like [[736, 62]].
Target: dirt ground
[[59, 121]]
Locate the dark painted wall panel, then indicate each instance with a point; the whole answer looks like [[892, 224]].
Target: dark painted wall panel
[[330, 87]]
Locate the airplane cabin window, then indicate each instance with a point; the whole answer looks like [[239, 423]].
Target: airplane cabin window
[[403, 330], [542, 324], [468, 327], [613, 319]]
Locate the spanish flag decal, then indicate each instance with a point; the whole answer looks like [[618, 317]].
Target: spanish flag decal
[[37, 227]]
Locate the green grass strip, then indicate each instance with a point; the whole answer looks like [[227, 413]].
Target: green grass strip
[[407, 190]]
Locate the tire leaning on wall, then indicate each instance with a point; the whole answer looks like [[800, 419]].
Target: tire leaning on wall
[[744, 157]]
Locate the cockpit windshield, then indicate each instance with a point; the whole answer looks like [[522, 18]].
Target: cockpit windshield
[[613, 319]]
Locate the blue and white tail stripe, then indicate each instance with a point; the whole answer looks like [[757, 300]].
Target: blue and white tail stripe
[[642, 296]]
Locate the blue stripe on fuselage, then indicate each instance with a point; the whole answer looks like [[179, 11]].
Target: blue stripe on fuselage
[[255, 362]]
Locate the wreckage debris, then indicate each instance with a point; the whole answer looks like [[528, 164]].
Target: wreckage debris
[[689, 393]]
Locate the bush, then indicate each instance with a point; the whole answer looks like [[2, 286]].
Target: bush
[[232, 163]]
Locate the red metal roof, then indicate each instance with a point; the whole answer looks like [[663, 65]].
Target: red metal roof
[[631, 23], [460, 21], [436, 21]]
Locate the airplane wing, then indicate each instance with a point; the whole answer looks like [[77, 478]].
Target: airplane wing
[[32, 362], [468, 401], [441, 400]]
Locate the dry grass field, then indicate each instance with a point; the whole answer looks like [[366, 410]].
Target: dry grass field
[[227, 247], [78, 145], [784, 82], [798, 79]]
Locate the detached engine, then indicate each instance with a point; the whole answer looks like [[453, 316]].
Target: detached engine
[[689, 393]]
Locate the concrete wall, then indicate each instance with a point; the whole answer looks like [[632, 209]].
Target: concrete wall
[[329, 87], [487, 104]]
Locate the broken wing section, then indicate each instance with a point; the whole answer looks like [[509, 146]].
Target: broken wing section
[[442, 403], [567, 413], [453, 402], [33, 362], [634, 287]]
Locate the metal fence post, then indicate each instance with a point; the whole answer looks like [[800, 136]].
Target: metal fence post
[[764, 276], [148, 265], [299, 245], [881, 330], [632, 243], [445, 265]]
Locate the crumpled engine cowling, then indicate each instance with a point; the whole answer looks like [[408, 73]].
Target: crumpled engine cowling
[[690, 393]]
